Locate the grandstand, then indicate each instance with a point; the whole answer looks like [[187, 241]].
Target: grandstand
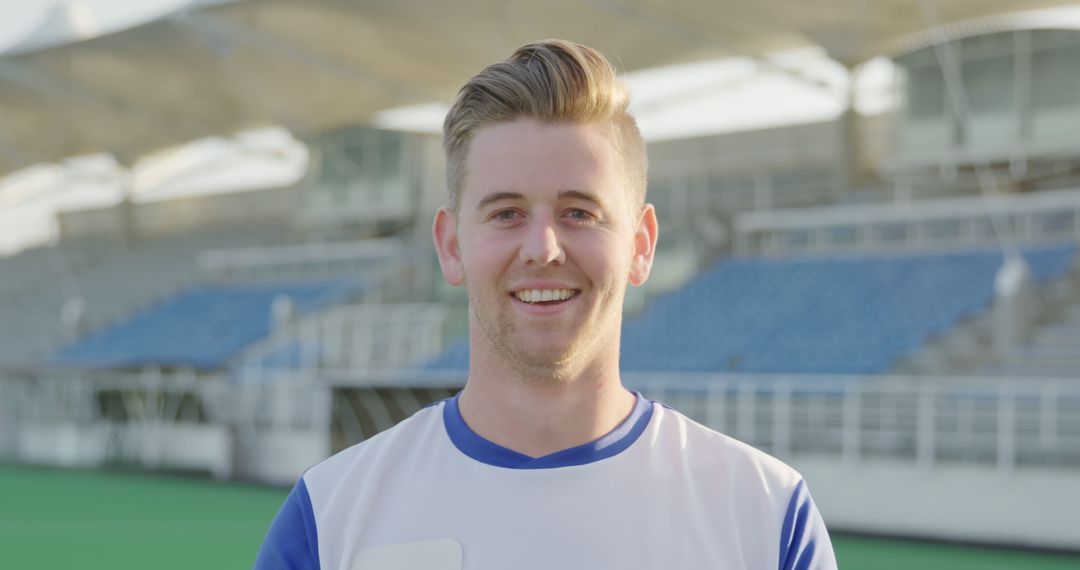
[[58, 293], [1050, 352], [202, 327], [845, 315], [890, 304]]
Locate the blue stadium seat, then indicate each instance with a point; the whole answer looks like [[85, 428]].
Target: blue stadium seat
[[829, 315], [203, 327]]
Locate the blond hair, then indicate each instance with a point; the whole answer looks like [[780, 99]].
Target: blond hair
[[550, 81]]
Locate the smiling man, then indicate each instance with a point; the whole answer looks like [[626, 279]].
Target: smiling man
[[545, 460]]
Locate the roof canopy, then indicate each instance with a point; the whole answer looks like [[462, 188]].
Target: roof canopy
[[313, 65]]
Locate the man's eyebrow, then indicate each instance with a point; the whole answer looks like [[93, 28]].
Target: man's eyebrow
[[579, 195], [496, 197]]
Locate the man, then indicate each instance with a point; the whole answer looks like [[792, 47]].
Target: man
[[544, 460]]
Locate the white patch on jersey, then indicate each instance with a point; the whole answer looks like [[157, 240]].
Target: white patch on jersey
[[443, 554]]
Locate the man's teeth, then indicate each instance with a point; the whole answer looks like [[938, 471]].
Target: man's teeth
[[541, 295]]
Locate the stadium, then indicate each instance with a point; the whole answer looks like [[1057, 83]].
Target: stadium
[[216, 265]]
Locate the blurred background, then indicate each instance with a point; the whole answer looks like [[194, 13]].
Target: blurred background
[[216, 266]]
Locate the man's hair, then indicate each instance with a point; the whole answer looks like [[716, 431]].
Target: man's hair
[[549, 81]]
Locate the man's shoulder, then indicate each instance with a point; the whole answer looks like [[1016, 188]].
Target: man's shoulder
[[708, 448], [414, 435]]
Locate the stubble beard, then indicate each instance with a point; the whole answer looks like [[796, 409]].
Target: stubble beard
[[550, 366]]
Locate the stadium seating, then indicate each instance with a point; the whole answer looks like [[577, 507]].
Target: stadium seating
[[848, 314], [1053, 350], [202, 327], [112, 279]]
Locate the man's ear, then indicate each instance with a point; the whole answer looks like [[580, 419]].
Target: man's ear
[[644, 245], [444, 232]]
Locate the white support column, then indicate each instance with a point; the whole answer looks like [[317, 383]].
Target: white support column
[[361, 354], [849, 156], [715, 405], [1022, 89], [850, 427], [926, 446], [1006, 436], [283, 400], [781, 420], [309, 345], [1013, 303], [744, 414], [1048, 429]]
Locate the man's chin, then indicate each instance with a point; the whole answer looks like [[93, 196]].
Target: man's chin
[[541, 361]]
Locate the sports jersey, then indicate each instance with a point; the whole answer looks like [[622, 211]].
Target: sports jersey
[[658, 491]]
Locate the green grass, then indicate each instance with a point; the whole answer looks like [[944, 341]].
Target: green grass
[[858, 553], [77, 519]]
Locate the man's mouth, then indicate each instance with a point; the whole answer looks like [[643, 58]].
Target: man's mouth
[[544, 296]]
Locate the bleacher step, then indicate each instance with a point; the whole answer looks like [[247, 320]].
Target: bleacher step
[[1051, 350], [1020, 372], [1057, 334], [1044, 360]]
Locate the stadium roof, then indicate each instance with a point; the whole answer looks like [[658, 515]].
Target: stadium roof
[[310, 65]]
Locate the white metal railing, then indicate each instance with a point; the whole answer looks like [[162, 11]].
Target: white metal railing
[[299, 260], [376, 336], [1042, 216], [1000, 423], [1006, 422], [89, 419]]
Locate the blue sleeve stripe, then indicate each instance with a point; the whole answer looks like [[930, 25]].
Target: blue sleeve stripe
[[292, 541], [804, 541], [310, 532]]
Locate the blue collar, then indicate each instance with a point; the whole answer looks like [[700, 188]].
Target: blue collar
[[484, 451]]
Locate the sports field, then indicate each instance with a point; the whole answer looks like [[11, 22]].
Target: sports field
[[89, 520]]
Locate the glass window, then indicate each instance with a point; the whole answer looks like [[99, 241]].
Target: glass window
[[925, 92], [391, 175], [988, 84], [1056, 77]]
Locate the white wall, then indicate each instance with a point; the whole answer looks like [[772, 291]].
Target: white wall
[[281, 456], [1038, 507], [202, 447]]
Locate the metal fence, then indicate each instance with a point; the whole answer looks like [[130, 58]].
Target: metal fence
[[1007, 422], [1003, 423], [942, 223]]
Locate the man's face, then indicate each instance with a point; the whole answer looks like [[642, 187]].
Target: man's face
[[545, 239]]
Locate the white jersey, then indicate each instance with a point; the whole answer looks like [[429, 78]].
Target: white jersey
[[659, 491]]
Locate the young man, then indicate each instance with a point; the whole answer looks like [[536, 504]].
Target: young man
[[544, 460]]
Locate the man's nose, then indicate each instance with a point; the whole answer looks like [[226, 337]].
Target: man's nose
[[542, 245]]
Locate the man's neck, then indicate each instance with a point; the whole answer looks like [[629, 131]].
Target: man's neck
[[537, 417]]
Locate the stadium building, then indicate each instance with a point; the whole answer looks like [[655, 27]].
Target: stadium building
[[889, 302]]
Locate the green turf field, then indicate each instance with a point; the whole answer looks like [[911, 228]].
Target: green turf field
[[74, 519], [90, 520]]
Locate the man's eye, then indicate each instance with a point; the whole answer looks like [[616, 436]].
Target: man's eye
[[580, 215], [505, 215]]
